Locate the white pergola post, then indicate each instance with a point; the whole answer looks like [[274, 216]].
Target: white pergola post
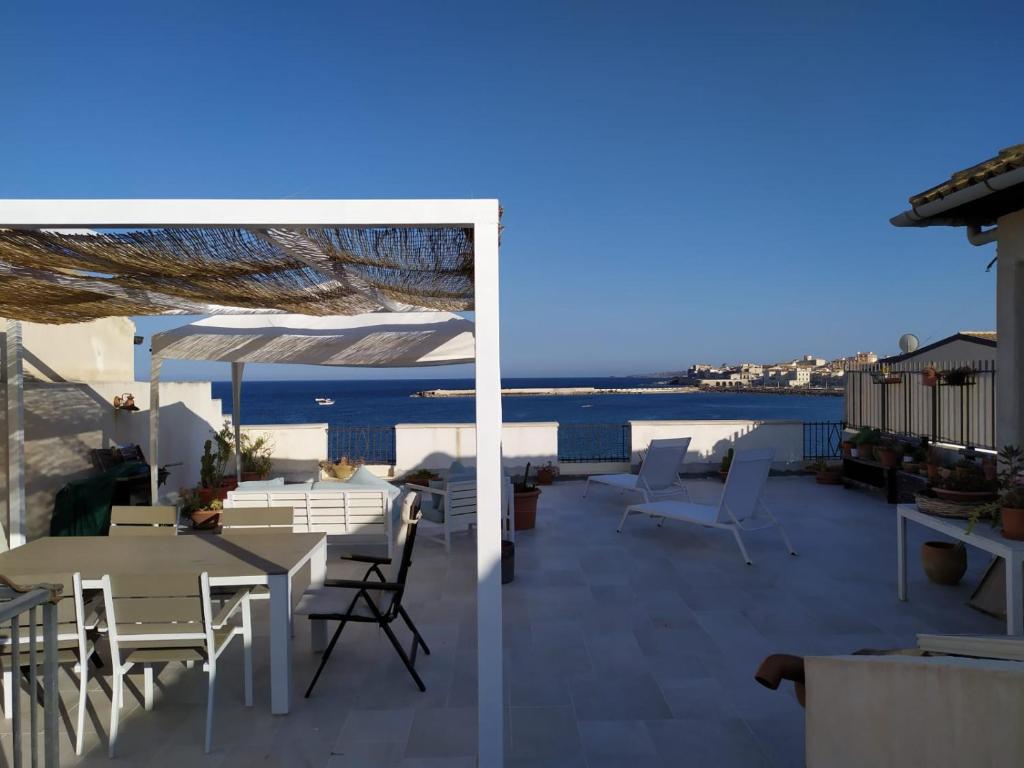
[[1010, 327], [236, 415], [15, 435], [490, 680], [154, 429]]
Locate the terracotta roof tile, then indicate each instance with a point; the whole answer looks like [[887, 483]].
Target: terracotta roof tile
[[1006, 160]]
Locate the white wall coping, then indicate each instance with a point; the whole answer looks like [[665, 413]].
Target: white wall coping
[[674, 422], [441, 424], [286, 426]]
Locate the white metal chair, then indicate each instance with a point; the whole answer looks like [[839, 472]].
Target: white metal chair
[[658, 477], [143, 521], [740, 509], [453, 506], [156, 619], [75, 620]]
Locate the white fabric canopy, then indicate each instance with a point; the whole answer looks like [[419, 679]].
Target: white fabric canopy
[[377, 340]]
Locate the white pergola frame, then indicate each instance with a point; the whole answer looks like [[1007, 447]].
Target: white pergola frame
[[482, 216]]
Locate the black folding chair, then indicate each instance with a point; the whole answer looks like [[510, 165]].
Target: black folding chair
[[376, 599]]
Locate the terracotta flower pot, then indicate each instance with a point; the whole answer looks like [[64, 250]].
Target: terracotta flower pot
[[545, 475], [525, 505], [830, 476], [944, 562], [1013, 523], [933, 471], [847, 448], [929, 377], [248, 477], [988, 470], [887, 457], [204, 519], [866, 451]]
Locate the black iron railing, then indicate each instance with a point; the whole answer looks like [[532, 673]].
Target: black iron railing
[[823, 439], [370, 445], [957, 405], [593, 442]]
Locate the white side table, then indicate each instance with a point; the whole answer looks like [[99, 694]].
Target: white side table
[[982, 537]]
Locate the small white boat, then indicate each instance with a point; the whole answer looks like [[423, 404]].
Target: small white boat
[[324, 401]]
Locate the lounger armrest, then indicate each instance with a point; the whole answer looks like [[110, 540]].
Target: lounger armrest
[[228, 609], [367, 559], [356, 584]]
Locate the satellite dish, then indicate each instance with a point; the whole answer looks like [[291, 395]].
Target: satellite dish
[[909, 343]]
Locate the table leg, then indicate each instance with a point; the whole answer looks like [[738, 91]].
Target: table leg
[[317, 575], [901, 556], [1014, 595], [280, 645]]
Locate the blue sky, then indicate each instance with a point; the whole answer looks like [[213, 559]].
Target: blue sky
[[681, 181]]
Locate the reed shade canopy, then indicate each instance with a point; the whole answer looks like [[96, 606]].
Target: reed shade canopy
[[375, 340], [76, 276]]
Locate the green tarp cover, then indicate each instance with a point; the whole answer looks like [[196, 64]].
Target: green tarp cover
[[82, 507]]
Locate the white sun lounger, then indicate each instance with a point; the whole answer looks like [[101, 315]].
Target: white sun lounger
[[739, 510], [659, 473]]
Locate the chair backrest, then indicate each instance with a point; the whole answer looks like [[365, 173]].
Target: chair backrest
[[70, 612], [155, 608], [258, 520], [661, 465], [136, 521], [397, 573], [744, 484], [460, 498]]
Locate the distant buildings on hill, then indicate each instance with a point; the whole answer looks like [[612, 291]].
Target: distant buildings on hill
[[807, 371]]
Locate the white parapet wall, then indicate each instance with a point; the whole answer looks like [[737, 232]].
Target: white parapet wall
[[711, 439], [436, 446], [296, 449]]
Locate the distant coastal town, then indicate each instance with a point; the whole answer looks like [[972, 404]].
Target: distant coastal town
[[807, 373]]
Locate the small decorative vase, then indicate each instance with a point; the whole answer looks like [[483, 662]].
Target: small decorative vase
[[944, 562], [205, 519]]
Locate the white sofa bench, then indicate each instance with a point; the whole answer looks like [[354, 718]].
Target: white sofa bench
[[357, 516]]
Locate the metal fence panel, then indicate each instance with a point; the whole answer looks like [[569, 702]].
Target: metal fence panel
[[958, 409], [594, 442], [823, 439], [368, 444]]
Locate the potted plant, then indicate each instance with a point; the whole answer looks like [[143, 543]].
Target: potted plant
[[964, 489], [525, 495], [546, 475], [256, 457], [204, 515], [723, 469], [847, 448], [225, 441], [827, 474], [885, 376], [421, 476], [929, 375], [958, 377], [888, 454], [865, 440], [210, 476], [1009, 509]]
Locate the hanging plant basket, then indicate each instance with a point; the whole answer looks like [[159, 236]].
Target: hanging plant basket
[[958, 377], [885, 377]]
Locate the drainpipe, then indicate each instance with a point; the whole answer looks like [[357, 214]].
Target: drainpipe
[[977, 236]]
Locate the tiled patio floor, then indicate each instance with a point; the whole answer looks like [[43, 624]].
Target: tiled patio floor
[[635, 649]]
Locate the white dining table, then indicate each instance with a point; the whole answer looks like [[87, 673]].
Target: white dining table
[[230, 559]]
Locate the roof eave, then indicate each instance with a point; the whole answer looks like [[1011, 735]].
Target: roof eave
[[980, 204]]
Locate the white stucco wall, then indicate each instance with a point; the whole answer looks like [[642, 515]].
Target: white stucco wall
[[64, 421], [436, 446], [297, 449], [711, 439], [101, 350]]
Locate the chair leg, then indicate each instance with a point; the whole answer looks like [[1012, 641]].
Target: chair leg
[[586, 487], [247, 649], [8, 692], [210, 689], [447, 537], [147, 687], [412, 628], [327, 654], [402, 654], [785, 538], [117, 692], [83, 703], [739, 541], [622, 523]]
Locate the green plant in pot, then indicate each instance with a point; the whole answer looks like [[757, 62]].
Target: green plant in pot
[[723, 469], [1008, 510], [225, 442], [865, 440], [525, 496], [203, 514], [825, 473], [257, 461], [888, 453]]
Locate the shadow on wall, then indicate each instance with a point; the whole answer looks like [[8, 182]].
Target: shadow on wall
[[64, 421]]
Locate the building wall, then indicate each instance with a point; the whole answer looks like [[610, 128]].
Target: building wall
[[101, 350], [955, 351], [64, 421], [712, 438], [435, 446], [296, 449]]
